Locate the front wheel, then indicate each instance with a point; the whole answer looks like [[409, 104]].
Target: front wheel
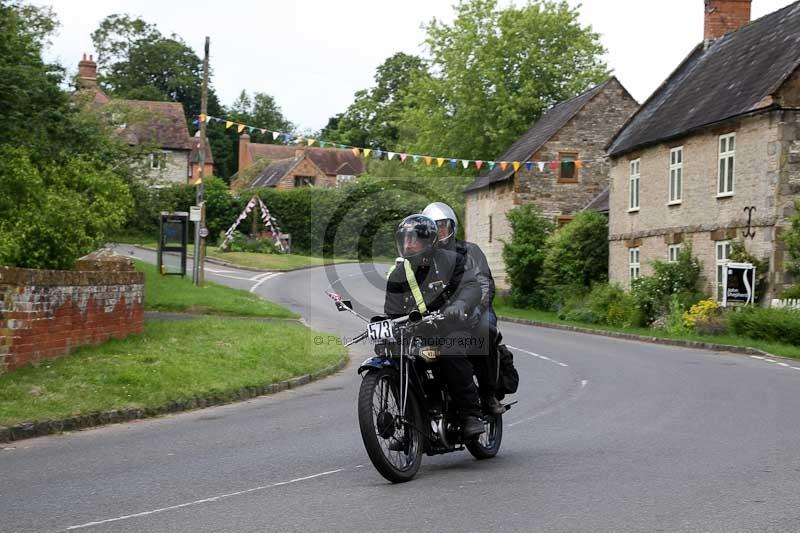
[[392, 439], [488, 443]]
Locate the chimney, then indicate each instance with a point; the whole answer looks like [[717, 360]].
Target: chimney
[[87, 72], [725, 16], [244, 152]]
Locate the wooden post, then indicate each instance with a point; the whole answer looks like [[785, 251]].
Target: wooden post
[[199, 240]]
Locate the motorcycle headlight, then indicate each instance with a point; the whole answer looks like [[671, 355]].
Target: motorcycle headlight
[[429, 353]]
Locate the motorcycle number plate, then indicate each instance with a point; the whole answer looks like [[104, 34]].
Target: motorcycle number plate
[[379, 331]]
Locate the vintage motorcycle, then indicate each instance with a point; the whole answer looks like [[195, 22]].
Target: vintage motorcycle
[[404, 409]]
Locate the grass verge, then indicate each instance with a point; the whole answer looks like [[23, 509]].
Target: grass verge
[[176, 294], [171, 361], [785, 350]]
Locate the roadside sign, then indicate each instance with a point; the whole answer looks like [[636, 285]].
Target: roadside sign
[[194, 213], [739, 284], [204, 232]]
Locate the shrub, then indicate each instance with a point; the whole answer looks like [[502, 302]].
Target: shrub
[[606, 304], [791, 292], [524, 254], [776, 325], [243, 243], [702, 310], [576, 255], [792, 239], [652, 294]]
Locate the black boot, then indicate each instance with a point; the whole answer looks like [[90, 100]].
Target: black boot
[[471, 427], [491, 406]]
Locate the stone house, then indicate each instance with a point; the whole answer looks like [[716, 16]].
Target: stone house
[[160, 126], [573, 134], [286, 167], [713, 156]]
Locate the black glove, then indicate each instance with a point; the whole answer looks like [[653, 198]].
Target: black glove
[[475, 317], [456, 311]]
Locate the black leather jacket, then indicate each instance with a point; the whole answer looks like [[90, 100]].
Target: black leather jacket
[[442, 281], [475, 260]]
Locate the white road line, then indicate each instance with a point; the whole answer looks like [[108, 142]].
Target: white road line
[[262, 280], [769, 360], [205, 500], [539, 356], [757, 357], [782, 364], [230, 277], [220, 271], [584, 383], [259, 276]]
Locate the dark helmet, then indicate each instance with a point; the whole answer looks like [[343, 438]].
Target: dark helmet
[[415, 238]]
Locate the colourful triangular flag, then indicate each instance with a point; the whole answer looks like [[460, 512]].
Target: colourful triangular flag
[[453, 163], [240, 128], [310, 142], [439, 161], [228, 124], [516, 165], [275, 135], [287, 138], [367, 151], [202, 118], [341, 146], [378, 153], [579, 164], [491, 164], [263, 131], [478, 164], [356, 151], [322, 144], [252, 129], [415, 158], [503, 165], [390, 155], [403, 157], [196, 121], [553, 165], [528, 166], [540, 164], [428, 160], [465, 163]]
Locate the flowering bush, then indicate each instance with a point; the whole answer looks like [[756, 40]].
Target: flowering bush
[[700, 312]]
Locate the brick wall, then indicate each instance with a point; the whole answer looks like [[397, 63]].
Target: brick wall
[[45, 314], [306, 168]]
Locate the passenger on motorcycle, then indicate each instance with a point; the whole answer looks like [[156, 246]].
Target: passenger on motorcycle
[[483, 316], [427, 278]]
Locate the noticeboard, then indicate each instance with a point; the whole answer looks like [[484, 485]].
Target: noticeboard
[[739, 284], [173, 240]]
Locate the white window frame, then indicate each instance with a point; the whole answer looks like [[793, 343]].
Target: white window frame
[[726, 167], [675, 176], [722, 253], [673, 252], [158, 160], [634, 187], [634, 263]]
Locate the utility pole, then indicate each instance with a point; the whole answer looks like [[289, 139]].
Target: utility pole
[[200, 231]]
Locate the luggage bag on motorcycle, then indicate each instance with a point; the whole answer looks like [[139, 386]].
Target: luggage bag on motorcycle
[[508, 377]]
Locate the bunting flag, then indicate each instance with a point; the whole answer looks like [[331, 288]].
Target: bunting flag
[[289, 138]]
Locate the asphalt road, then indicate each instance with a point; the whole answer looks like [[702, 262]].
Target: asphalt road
[[608, 435]]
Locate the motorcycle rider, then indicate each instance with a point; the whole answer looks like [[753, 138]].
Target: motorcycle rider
[[427, 278], [483, 317]]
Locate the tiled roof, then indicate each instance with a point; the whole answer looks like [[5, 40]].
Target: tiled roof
[[271, 175], [731, 76], [160, 123], [329, 160], [599, 204], [538, 134]]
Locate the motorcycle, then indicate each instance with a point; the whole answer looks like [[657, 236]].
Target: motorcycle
[[404, 409]]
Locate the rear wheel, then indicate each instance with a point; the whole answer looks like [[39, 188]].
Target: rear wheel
[[391, 438], [487, 444]]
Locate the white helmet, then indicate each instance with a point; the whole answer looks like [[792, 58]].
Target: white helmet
[[439, 211]]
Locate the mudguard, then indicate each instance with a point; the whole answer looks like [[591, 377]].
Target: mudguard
[[375, 363]]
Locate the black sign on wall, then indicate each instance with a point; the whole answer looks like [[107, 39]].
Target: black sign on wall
[[739, 284]]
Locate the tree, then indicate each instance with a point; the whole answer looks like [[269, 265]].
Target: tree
[[577, 256], [138, 62], [494, 72], [373, 119], [524, 254]]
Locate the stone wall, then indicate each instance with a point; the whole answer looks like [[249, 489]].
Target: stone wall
[[45, 314], [702, 216], [306, 168], [494, 202], [174, 170]]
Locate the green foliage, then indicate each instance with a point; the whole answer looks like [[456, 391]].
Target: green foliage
[[494, 71], [777, 325], [524, 255], [243, 243], [791, 292], [577, 255], [54, 214], [739, 254], [652, 294], [792, 240], [607, 304], [373, 119]]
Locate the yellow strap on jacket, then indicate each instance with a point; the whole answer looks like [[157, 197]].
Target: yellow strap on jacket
[[412, 282]]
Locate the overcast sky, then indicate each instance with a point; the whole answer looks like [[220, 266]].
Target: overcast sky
[[312, 55]]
